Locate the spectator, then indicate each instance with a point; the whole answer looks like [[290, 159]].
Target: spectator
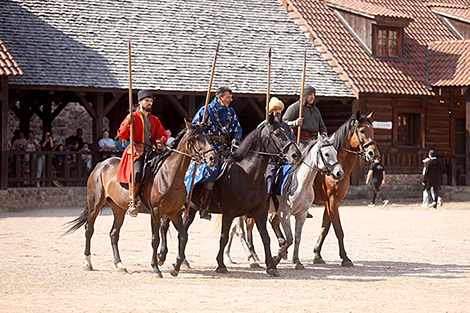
[[31, 144], [86, 157], [376, 176], [121, 144], [425, 192], [58, 161], [170, 138], [46, 144], [76, 138], [18, 141], [432, 178], [106, 143]]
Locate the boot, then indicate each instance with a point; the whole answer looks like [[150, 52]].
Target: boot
[[132, 211], [205, 197]]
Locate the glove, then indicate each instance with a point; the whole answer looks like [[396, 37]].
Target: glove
[[160, 144]]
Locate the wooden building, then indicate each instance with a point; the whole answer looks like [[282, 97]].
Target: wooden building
[[408, 61]]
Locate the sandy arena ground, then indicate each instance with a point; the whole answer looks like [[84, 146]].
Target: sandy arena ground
[[407, 259]]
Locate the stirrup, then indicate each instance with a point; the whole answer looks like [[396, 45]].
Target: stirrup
[[132, 211], [205, 214]]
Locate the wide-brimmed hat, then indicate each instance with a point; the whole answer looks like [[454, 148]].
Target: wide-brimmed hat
[[144, 93]]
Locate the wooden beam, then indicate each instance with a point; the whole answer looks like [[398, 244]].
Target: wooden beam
[[256, 108], [17, 97], [86, 104], [61, 106], [178, 106], [112, 103], [4, 132]]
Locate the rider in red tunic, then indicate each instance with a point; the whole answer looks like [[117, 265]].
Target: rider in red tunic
[[147, 131]]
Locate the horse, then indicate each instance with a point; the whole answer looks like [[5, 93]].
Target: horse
[[162, 193], [298, 193], [354, 138], [244, 175]]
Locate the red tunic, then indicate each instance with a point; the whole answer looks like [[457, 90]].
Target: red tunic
[[157, 130]]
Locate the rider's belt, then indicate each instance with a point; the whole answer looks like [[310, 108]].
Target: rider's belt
[[218, 137], [305, 134]]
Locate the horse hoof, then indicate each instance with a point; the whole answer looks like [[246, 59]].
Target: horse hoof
[[122, 270], [174, 272], [348, 263], [299, 266], [254, 265], [87, 267], [318, 261], [158, 275], [284, 257], [272, 272], [229, 261], [222, 270], [160, 262]]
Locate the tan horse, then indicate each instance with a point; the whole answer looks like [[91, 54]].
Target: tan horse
[[354, 138], [163, 193]]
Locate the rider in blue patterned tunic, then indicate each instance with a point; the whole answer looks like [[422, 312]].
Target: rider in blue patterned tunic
[[223, 127]]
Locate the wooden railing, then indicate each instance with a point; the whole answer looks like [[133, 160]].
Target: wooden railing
[[23, 165]]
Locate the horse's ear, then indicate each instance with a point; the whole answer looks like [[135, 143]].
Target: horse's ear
[[358, 115], [188, 124], [371, 115]]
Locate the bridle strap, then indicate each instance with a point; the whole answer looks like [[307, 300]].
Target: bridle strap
[[361, 153]]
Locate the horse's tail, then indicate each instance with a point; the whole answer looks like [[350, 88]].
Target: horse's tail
[[78, 222], [214, 230]]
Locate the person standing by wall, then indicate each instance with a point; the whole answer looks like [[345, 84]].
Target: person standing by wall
[[432, 178], [376, 176], [46, 144]]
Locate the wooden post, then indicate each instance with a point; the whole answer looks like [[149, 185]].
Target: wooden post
[[131, 185], [5, 108], [467, 139], [302, 96], [269, 85]]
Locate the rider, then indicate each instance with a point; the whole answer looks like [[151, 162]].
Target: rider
[[223, 127], [147, 131], [311, 121]]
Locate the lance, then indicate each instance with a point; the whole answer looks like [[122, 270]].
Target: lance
[[131, 189], [302, 96], [269, 83], [208, 95]]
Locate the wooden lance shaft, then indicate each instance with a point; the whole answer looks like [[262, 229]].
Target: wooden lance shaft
[[302, 96], [208, 95], [131, 189], [269, 85]]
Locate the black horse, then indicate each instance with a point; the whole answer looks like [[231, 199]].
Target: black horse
[[244, 175]]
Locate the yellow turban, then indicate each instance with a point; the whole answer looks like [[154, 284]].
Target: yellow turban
[[275, 103]]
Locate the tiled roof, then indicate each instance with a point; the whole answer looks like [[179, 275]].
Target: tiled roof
[[8, 66], [456, 13], [449, 63], [366, 74], [84, 44], [367, 8]]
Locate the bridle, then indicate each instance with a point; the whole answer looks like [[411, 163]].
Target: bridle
[[329, 167], [281, 150], [198, 155], [362, 152]]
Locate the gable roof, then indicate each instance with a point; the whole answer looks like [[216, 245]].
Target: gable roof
[[8, 66], [366, 8], [84, 44], [367, 74], [449, 63]]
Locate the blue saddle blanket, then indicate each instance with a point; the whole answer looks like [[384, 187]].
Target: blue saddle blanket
[[282, 178]]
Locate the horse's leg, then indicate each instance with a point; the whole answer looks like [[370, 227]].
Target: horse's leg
[[114, 234], [336, 221], [163, 248], [231, 233], [155, 226], [95, 203], [182, 241], [238, 227], [299, 223], [285, 221], [275, 222], [226, 224], [261, 218], [250, 224], [188, 219], [325, 228]]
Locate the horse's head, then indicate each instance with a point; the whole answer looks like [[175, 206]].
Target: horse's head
[[362, 137], [197, 144], [326, 159], [278, 141]]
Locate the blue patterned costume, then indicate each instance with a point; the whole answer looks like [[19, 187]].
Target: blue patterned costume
[[220, 122]]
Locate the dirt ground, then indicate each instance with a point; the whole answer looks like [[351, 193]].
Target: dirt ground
[[407, 259]]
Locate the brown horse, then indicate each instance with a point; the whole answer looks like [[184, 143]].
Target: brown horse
[[163, 193], [354, 138]]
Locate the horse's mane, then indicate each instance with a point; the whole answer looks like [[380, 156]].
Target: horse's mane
[[295, 168], [156, 158], [247, 145], [341, 134]]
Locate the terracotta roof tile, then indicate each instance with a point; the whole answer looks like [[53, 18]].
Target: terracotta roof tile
[[449, 63], [8, 66], [368, 8], [366, 73], [457, 13]]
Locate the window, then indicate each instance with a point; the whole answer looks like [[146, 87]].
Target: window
[[388, 42], [405, 129]]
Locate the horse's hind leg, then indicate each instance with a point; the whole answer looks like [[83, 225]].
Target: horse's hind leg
[[233, 230], [155, 225], [188, 219], [299, 223], [239, 227], [325, 228], [250, 224], [261, 218], [163, 248], [114, 234], [182, 241], [94, 207]]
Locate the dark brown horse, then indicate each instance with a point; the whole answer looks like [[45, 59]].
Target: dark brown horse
[[163, 193], [354, 138]]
